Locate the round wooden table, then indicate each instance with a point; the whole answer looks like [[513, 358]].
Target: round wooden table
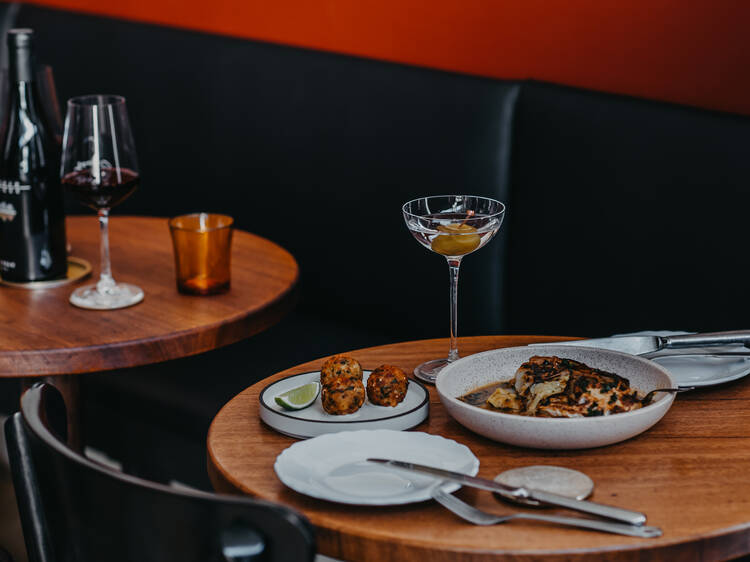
[[689, 474], [43, 334]]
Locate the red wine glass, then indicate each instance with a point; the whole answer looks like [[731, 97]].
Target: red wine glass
[[100, 169]]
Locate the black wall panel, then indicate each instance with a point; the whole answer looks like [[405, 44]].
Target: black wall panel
[[628, 215], [316, 151]]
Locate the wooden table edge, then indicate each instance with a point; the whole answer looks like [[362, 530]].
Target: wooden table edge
[[669, 551], [66, 361]]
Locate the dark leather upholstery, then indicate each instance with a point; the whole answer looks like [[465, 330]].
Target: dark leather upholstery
[[626, 215], [314, 150], [73, 509]]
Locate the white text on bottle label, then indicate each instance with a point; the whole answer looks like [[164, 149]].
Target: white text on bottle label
[[13, 187]]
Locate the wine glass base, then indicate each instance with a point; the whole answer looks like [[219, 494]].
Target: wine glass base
[[120, 296], [428, 371]]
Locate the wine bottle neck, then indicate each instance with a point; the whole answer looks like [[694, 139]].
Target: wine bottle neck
[[21, 55], [21, 69]]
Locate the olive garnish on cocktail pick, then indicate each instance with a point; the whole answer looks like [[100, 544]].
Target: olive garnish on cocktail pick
[[459, 239]]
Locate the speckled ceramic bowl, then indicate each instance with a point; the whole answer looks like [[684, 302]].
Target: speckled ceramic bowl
[[496, 365]]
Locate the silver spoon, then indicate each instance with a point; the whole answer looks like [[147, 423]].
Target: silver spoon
[[478, 517], [647, 399]]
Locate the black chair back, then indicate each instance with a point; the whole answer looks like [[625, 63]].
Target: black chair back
[[73, 509]]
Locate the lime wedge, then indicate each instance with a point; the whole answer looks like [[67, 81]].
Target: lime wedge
[[300, 397]]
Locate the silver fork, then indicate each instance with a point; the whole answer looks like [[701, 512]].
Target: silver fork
[[646, 400], [478, 517]]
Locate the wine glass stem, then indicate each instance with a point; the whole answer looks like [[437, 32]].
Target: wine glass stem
[[453, 265], [106, 283]]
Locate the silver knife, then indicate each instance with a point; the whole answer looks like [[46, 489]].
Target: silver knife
[[592, 508], [638, 345]]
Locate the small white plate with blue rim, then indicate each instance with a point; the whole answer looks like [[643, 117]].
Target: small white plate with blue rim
[[333, 467]]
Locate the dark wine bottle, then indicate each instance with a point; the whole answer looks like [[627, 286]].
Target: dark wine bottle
[[32, 218]]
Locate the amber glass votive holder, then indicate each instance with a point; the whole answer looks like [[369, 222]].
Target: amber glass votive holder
[[202, 250]]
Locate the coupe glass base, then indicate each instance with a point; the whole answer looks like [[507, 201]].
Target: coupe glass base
[[428, 371], [120, 296]]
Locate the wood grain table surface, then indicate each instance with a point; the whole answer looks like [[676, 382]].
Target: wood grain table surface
[[42, 334], [690, 474]]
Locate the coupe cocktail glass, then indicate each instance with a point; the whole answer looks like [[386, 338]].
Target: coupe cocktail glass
[[452, 226]]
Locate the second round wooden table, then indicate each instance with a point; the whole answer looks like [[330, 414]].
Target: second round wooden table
[[43, 335], [688, 474]]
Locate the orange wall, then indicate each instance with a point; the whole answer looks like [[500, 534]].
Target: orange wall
[[694, 52]]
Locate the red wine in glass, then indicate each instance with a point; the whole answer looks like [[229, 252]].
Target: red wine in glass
[[111, 189]]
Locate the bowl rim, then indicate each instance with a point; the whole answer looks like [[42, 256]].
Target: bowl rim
[[664, 402]]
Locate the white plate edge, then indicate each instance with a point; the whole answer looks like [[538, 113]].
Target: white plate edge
[[348, 500]]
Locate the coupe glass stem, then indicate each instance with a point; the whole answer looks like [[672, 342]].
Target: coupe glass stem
[[453, 265], [106, 283]]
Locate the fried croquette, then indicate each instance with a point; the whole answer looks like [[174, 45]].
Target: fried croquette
[[340, 366], [342, 395], [387, 386]]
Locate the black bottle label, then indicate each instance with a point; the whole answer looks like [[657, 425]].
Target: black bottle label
[[37, 231], [32, 220]]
